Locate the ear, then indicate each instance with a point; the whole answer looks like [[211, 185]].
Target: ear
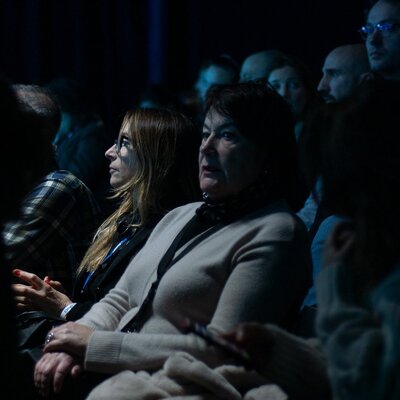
[[366, 76]]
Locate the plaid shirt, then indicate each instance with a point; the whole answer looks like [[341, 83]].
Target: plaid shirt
[[58, 220]]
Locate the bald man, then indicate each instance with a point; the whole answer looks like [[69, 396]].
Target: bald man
[[259, 65], [345, 68]]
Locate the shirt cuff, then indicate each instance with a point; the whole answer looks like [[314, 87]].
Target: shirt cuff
[[66, 310]]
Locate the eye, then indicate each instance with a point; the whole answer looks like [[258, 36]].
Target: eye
[[125, 142], [205, 135], [387, 26], [275, 85], [228, 135], [334, 74], [294, 84]]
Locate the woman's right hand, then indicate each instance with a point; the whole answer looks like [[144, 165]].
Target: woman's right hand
[[39, 294], [255, 338]]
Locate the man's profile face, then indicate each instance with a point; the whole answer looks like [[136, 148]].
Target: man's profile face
[[339, 78], [384, 49]]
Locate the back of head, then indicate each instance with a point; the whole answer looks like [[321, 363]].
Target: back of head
[[264, 118], [258, 65], [219, 70], [29, 151], [41, 102]]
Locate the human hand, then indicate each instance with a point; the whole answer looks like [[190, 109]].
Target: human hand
[[39, 294], [339, 245], [70, 337], [255, 338], [52, 369]]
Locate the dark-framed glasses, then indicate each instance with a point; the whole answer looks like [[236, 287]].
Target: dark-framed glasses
[[120, 143], [385, 28]]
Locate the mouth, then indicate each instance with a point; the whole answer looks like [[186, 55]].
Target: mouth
[[375, 55], [209, 168], [329, 99]]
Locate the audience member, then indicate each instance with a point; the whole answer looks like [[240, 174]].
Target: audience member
[[58, 217], [81, 139], [382, 38], [258, 65], [22, 136], [358, 288], [241, 249], [152, 169], [219, 70], [292, 79], [345, 67]]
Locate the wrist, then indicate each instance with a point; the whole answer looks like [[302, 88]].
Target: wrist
[[66, 310]]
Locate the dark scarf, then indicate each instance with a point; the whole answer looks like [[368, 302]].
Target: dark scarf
[[250, 199]]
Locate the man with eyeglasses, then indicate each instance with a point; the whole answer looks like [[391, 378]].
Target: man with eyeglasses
[[382, 38]]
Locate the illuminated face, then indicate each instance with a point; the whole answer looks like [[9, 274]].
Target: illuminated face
[[384, 47], [287, 82], [228, 162], [123, 160], [340, 76]]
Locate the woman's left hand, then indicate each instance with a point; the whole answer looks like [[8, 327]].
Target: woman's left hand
[[51, 371], [70, 337]]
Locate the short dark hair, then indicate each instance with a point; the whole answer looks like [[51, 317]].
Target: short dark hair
[[263, 117], [224, 61], [40, 101]]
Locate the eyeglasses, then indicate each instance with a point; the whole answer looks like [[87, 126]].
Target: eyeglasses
[[121, 142], [385, 28]]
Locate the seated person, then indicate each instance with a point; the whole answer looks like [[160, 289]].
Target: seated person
[[150, 174], [358, 288], [240, 255], [59, 216]]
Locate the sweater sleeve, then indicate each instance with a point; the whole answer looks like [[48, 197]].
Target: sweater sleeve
[[361, 343]]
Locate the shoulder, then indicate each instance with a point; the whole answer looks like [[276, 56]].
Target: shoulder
[[182, 212], [61, 185], [278, 221]]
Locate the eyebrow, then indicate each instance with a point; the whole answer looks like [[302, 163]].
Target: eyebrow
[[223, 126], [330, 70], [383, 21]]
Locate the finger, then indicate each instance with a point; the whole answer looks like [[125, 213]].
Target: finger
[[76, 371], [63, 369], [28, 277], [24, 307], [43, 376]]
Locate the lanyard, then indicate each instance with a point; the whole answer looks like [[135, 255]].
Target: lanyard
[[108, 256]]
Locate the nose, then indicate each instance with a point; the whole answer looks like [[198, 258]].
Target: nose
[[111, 153], [322, 85], [208, 144], [375, 37], [283, 91]]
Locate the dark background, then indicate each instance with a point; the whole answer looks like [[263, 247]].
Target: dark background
[[115, 48]]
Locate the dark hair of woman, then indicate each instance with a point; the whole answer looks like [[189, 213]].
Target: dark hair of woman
[[255, 107]]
